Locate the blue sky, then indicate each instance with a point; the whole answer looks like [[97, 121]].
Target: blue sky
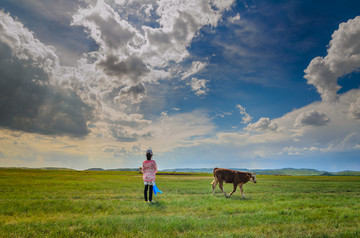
[[246, 84]]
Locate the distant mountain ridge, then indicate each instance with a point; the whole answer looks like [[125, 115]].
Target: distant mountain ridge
[[284, 171], [119, 169]]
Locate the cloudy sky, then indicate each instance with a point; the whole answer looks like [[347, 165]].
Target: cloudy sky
[[241, 84]]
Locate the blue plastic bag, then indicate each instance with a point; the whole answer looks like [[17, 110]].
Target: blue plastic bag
[[156, 190]]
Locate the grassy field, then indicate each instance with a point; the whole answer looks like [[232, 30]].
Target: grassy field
[[50, 203]]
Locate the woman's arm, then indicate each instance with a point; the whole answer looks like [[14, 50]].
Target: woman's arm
[[143, 168], [155, 166]]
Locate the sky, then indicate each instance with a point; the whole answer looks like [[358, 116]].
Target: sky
[[207, 83]]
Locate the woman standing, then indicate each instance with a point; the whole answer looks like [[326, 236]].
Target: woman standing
[[149, 169]]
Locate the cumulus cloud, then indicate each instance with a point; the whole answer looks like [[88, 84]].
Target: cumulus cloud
[[24, 46], [133, 44], [354, 109], [122, 135], [30, 99], [234, 19], [106, 27], [133, 93], [131, 55], [314, 133], [196, 67], [312, 118], [246, 117], [199, 86], [223, 114], [179, 21], [263, 124], [291, 150], [131, 68], [343, 58]]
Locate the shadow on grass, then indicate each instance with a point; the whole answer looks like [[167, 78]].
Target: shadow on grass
[[158, 205], [234, 197], [241, 199]]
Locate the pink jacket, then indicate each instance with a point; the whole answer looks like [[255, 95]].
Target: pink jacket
[[149, 169]]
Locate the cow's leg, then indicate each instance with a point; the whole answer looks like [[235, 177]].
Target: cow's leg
[[242, 192], [214, 183], [221, 187], [233, 191]]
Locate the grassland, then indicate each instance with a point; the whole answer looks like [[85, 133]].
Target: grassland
[[50, 203]]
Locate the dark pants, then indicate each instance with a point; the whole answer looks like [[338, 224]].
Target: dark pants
[[150, 192]]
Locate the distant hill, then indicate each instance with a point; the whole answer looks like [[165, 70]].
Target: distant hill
[[327, 174], [348, 173], [119, 169], [284, 171], [124, 169], [43, 168]]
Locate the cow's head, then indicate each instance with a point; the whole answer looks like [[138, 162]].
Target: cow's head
[[253, 178]]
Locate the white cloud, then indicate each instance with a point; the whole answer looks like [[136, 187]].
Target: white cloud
[[113, 78], [163, 115], [130, 54], [25, 46], [343, 58], [223, 114], [263, 124], [179, 130], [298, 133], [354, 109], [234, 19], [246, 117], [107, 28], [55, 11], [223, 4], [346, 143], [179, 21], [196, 67], [293, 151], [34, 99], [199, 86]]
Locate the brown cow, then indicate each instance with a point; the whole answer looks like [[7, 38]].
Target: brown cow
[[237, 178]]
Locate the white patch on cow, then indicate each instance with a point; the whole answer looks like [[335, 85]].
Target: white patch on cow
[[253, 178]]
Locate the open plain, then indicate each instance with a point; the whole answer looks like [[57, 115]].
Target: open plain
[[68, 203]]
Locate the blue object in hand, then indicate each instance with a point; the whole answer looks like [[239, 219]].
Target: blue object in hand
[[156, 190]]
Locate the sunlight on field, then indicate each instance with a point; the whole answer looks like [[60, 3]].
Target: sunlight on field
[[43, 203]]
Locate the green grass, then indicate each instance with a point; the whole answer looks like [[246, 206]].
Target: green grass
[[51, 203]]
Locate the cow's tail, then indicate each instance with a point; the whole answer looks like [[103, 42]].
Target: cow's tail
[[214, 176]]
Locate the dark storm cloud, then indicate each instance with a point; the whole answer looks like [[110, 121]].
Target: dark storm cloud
[[121, 135], [134, 93], [133, 67], [312, 118], [50, 21], [29, 103]]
